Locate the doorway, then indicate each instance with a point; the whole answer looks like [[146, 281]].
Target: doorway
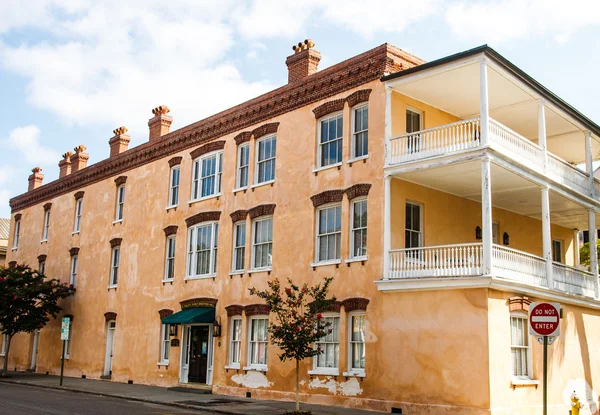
[[110, 347], [199, 336], [34, 350]]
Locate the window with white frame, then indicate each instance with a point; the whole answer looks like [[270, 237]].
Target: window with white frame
[[17, 232], [68, 341], [114, 265], [235, 342], [557, 250], [357, 341], [170, 259], [262, 242], [174, 186], [330, 140], [239, 245], [120, 203], [242, 167], [329, 233], [74, 262], [78, 210], [206, 180], [360, 131], [519, 346], [258, 341], [358, 238], [202, 250], [46, 225], [266, 151], [413, 125], [413, 233], [165, 344], [4, 345], [329, 345]]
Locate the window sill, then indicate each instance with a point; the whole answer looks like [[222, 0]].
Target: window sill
[[524, 382], [117, 221], [257, 368], [67, 357], [331, 166], [75, 233], [168, 281], [324, 372], [14, 249], [254, 186], [44, 241], [240, 272], [110, 287], [355, 374], [240, 189], [256, 270], [233, 367], [324, 263], [191, 202], [165, 364], [357, 259], [357, 159], [171, 207], [200, 277]]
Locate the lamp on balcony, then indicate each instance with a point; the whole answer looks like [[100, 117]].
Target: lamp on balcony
[[172, 330], [478, 234], [505, 239]]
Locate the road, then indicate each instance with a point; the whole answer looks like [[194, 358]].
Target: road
[[27, 400]]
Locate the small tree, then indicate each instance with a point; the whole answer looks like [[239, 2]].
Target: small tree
[[584, 254], [298, 323], [27, 302]]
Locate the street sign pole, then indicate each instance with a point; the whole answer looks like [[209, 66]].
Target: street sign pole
[[64, 336], [62, 363], [545, 375]]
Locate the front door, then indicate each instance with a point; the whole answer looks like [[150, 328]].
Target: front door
[[198, 354], [110, 347]]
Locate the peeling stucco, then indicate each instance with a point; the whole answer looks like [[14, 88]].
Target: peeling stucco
[[252, 379], [349, 388]]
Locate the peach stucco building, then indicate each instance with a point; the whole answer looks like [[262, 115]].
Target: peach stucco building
[[461, 171]]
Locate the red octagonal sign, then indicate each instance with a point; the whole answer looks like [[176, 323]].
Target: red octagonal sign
[[544, 319]]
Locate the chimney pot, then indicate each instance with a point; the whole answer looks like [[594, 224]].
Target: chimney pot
[[64, 165], [35, 180], [120, 142], [79, 159], [160, 124], [304, 62]]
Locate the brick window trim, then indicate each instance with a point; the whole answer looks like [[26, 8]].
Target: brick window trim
[[79, 195], [265, 129], [242, 137], [234, 310], [18, 216], [207, 148], [165, 312], [175, 161], [328, 196], [519, 303], [336, 105], [210, 302], [47, 206], [261, 210], [238, 215], [12, 264], [42, 258], [256, 310], [111, 315], [357, 190], [114, 242], [202, 217], [74, 251], [356, 303], [334, 307], [120, 180], [358, 97], [170, 230]]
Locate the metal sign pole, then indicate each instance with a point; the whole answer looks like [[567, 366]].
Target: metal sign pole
[[62, 363], [545, 375]]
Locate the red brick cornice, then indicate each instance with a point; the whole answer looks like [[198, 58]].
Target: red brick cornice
[[366, 67], [256, 310], [207, 148], [360, 189], [328, 196], [175, 161], [234, 310], [238, 215], [261, 210], [170, 230], [202, 217]]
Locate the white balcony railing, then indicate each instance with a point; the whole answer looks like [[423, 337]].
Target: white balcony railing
[[465, 135], [466, 260]]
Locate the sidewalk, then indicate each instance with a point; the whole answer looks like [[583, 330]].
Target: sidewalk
[[163, 396]]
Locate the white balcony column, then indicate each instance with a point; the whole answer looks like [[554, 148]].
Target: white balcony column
[[593, 249], [547, 235], [387, 227], [484, 106], [576, 258], [486, 215], [542, 132], [589, 168], [388, 124]]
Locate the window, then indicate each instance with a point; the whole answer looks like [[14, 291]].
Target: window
[[239, 246], [174, 186], [235, 342], [495, 232], [17, 231], [329, 233], [114, 269], [266, 150], [330, 140], [557, 250], [262, 243], [202, 250], [207, 176], [42, 267], [358, 239], [68, 341], [120, 202], [170, 259], [357, 342], [360, 132], [329, 345], [258, 341], [4, 345], [413, 124], [165, 344], [519, 345], [73, 279], [46, 225], [242, 168], [78, 207], [413, 234]]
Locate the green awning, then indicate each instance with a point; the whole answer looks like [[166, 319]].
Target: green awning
[[192, 315]]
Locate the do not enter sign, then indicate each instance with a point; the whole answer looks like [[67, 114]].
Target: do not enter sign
[[544, 319]]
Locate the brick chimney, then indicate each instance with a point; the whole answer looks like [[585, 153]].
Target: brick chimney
[[304, 62], [35, 180], [79, 159], [119, 142], [64, 166], [160, 124]]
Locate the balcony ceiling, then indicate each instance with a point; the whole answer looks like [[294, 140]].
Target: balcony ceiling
[[455, 89], [509, 191]]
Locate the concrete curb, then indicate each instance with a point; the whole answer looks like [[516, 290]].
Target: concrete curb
[[127, 398]]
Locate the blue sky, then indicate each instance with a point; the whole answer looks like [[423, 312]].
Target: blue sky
[[71, 71]]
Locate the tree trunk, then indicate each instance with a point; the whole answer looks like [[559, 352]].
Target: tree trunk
[[5, 366], [297, 386]]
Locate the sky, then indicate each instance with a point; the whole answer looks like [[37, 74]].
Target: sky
[[71, 71]]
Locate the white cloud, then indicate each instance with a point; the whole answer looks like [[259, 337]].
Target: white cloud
[[497, 21], [27, 141]]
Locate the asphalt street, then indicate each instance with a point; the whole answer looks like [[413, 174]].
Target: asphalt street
[[27, 400]]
